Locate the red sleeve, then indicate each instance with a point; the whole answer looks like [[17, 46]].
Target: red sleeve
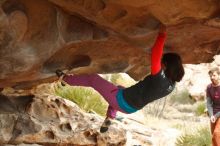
[[156, 53]]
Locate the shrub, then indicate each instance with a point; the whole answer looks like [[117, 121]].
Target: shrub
[[200, 137], [155, 108], [185, 108], [200, 108], [180, 97], [86, 98], [122, 79]]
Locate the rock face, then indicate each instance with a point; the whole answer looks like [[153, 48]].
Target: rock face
[[97, 36], [48, 120]]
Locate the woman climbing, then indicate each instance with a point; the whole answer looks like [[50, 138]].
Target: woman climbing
[[166, 70]]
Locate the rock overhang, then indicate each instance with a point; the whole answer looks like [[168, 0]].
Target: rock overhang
[[99, 36]]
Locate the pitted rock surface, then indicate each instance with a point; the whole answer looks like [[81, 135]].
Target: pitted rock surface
[[47, 120]]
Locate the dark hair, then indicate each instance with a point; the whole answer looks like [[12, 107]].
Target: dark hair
[[173, 66]]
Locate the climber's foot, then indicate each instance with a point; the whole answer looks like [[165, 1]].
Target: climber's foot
[[105, 125], [59, 73]]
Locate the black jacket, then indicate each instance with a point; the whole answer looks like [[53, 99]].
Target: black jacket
[[151, 88]]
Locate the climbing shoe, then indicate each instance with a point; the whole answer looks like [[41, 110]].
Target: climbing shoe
[[59, 73], [105, 125]]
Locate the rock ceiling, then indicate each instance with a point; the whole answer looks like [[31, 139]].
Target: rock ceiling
[[100, 36]]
